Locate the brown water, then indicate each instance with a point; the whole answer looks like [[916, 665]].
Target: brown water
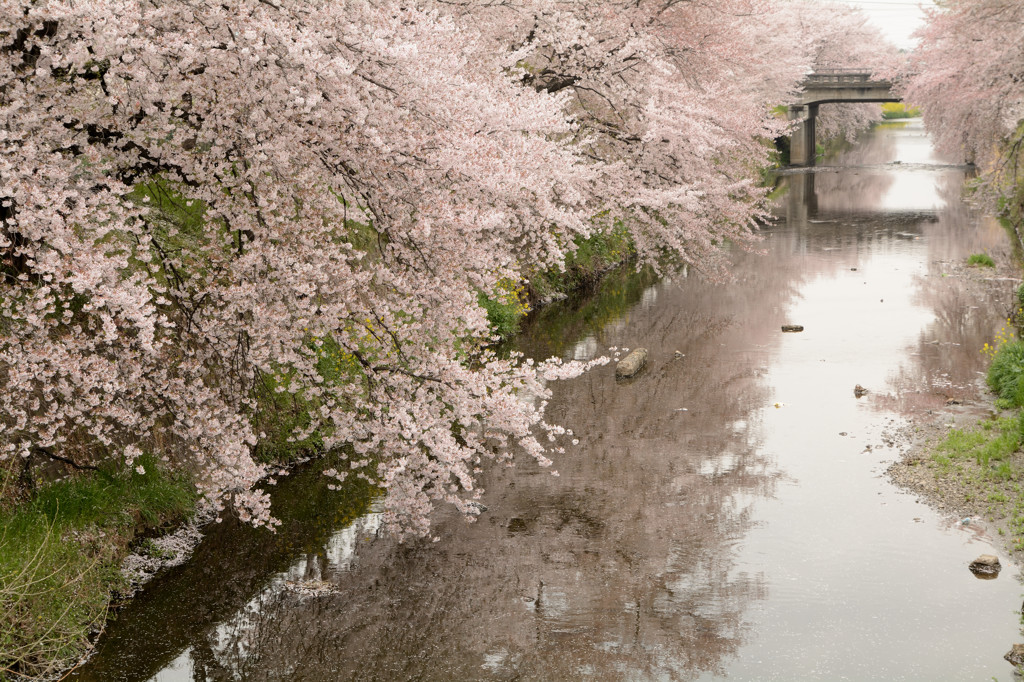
[[722, 517]]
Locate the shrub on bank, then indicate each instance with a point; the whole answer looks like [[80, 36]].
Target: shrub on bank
[[511, 301], [981, 259], [506, 306], [1005, 373], [591, 258]]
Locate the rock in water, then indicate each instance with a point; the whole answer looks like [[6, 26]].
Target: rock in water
[[631, 364], [792, 327], [1016, 654], [986, 564]]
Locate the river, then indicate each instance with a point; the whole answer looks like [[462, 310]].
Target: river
[[726, 514]]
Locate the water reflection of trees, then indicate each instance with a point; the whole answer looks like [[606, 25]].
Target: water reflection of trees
[[969, 309], [620, 568]]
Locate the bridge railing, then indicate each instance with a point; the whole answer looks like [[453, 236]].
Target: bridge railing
[[854, 69], [840, 78]]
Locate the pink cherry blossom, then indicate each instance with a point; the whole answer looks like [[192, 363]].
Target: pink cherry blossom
[[966, 76], [356, 171]]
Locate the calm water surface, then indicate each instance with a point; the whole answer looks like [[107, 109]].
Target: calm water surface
[[725, 516]]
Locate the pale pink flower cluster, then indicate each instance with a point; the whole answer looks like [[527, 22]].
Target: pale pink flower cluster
[[364, 168], [966, 76]]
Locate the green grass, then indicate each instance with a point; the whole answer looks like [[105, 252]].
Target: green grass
[[990, 446], [987, 465], [981, 259], [60, 555]]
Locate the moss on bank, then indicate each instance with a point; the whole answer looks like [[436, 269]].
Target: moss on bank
[[591, 258]]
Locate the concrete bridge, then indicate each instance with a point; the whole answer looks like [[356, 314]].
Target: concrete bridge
[[823, 87]]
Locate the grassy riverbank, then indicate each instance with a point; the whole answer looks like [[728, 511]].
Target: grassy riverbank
[[60, 558], [968, 460], [977, 470], [973, 472]]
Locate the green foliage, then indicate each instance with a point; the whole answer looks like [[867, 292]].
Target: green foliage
[[1020, 295], [891, 110], [778, 151], [1004, 374], [60, 555], [981, 259], [598, 252], [363, 237], [505, 307], [557, 327], [178, 228], [1009, 181], [281, 415], [591, 258], [778, 157]]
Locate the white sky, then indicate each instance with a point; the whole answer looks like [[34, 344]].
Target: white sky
[[897, 18]]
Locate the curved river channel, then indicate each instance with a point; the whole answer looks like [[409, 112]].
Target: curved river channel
[[726, 514]]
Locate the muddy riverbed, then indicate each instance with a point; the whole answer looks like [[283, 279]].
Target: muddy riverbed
[[726, 515]]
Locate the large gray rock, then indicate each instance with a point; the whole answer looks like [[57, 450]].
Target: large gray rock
[[986, 564], [1016, 654], [631, 364]]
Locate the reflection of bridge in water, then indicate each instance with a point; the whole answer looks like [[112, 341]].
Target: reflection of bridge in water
[[802, 207], [825, 87]]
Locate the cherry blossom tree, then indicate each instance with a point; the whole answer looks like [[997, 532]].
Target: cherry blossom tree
[[210, 210], [672, 103], [292, 126], [967, 75]]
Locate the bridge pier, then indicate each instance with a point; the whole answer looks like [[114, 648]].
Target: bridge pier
[[802, 148], [801, 198], [823, 87]]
